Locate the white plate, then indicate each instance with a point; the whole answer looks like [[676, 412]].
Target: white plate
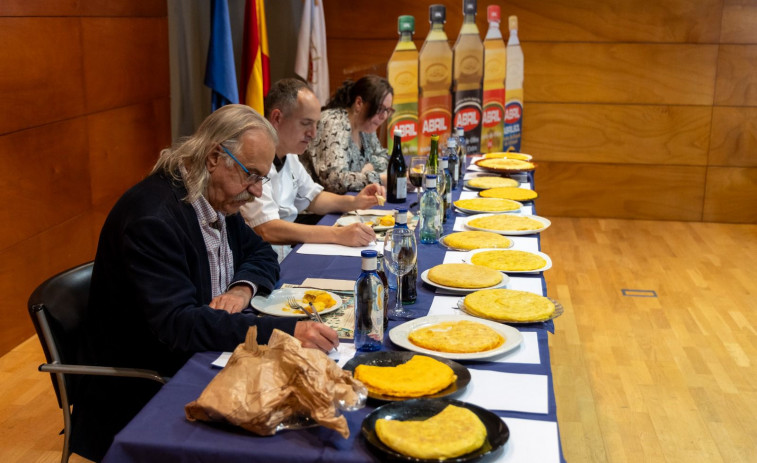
[[502, 284], [451, 248], [371, 219], [399, 335], [468, 258], [474, 211], [275, 303], [527, 157], [543, 220]]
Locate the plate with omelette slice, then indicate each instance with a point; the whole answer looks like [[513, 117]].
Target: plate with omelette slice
[[505, 165], [508, 224], [510, 306], [433, 431], [509, 155], [456, 337], [276, 303], [510, 260], [485, 182], [469, 240], [493, 205], [464, 278], [401, 375]]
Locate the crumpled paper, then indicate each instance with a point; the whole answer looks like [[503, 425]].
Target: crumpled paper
[[263, 387]]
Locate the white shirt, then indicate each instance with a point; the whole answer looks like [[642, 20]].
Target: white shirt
[[289, 192]]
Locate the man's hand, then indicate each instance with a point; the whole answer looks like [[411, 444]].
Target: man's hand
[[234, 300], [366, 199], [355, 235], [316, 335]]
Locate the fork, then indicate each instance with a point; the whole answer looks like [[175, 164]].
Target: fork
[[296, 305]]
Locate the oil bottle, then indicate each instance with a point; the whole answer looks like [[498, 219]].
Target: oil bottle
[[402, 72], [513, 90], [435, 76], [468, 69], [495, 59]]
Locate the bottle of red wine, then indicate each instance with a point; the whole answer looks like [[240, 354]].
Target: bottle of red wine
[[396, 172]]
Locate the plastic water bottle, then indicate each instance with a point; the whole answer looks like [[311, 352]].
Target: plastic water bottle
[[369, 306], [430, 213]]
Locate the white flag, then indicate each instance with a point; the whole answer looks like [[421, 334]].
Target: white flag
[[312, 63]]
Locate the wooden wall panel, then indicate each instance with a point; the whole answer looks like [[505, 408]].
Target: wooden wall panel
[[28, 263], [619, 73], [669, 21], [633, 134], [734, 137], [731, 193], [49, 181], [113, 45], [739, 22], [82, 8], [41, 78], [737, 75], [85, 112], [123, 147], [621, 191]]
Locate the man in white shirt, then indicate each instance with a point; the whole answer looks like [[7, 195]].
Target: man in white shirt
[[294, 110]]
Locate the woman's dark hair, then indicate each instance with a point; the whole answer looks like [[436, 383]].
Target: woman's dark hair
[[372, 89]]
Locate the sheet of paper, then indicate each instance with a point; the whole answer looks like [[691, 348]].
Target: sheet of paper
[[336, 249], [329, 284], [530, 284], [530, 441], [496, 390]]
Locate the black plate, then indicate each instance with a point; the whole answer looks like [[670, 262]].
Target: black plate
[[497, 432], [394, 358]]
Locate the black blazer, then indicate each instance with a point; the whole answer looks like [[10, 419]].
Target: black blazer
[[148, 303]]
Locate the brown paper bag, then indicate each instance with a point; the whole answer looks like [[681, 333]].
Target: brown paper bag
[[264, 386]]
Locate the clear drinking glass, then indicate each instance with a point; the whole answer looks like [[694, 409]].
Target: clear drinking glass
[[417, 173], [400, 253]]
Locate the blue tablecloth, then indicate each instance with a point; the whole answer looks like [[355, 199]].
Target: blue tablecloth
[[161, 433]]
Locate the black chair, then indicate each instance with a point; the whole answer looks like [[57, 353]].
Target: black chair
[[57, 309]]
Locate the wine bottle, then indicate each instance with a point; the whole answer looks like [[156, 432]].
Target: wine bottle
[[396, 173], [453, 161], [430, 213], [369, 305], [446, 191]]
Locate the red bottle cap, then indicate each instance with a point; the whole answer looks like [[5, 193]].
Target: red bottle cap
[[492, 13]]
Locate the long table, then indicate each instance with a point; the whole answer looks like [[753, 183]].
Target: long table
[[160, 432]]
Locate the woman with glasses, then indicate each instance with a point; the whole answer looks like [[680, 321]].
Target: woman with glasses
[[346, 154]]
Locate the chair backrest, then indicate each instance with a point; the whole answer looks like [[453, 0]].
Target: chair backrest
[[61, 301]]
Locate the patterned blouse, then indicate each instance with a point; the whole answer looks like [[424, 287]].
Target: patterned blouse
[[335, 161]]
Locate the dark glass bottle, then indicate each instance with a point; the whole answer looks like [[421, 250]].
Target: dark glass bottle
[[382, 275], [396, 172], [447, 193], [453, 161], [410, 279], [369, 306]]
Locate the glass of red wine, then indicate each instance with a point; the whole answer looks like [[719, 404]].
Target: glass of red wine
[[417, 173]]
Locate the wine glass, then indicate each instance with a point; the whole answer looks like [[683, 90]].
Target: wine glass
[[417, 172], [400, 253]]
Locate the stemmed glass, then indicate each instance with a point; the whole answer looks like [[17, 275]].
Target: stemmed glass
[[417, 171], [400, 253]]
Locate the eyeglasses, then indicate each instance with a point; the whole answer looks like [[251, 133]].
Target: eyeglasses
[[384, 110], [251, 178]]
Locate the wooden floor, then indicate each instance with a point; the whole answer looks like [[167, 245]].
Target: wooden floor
[[669, 378]]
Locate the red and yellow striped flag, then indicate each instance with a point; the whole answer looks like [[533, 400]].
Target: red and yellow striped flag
[[256, 75]]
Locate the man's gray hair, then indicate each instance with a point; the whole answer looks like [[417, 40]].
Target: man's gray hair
[[283, 95], [226, 125]]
